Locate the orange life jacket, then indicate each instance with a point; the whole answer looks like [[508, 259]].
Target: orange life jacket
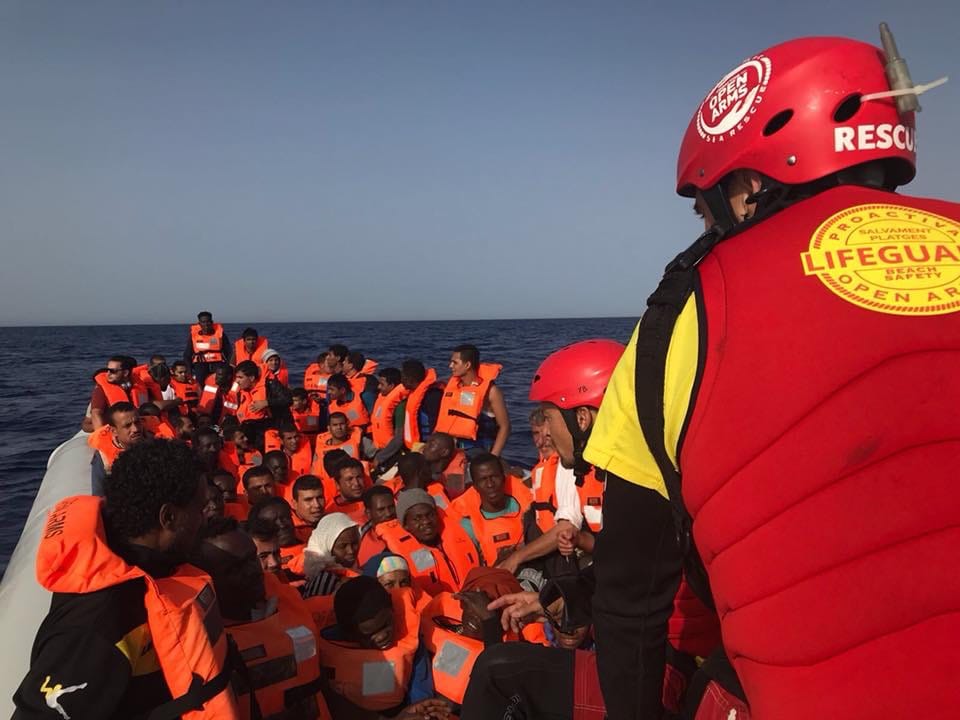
[[355, 411], [297, 464], [207, 348], [590, 493], [101, 440], [247, 397], [376, 679], [182, 612], [238, 510], [454, 654], [188, 392], [240, 351], [321, 606], [381, 422], [433, 569], [315, 379], [282, 375], [358, 381], [238, 461], [291, 558], [280, 653], [411, 422], [141, 374], [498, 537], [158, 428], [354, 510], [208, 398], [137, 394], [351, 446], [461, 405], [454, 475], [308, 421], [434, 489]]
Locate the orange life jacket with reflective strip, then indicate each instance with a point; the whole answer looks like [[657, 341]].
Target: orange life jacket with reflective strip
[[590, 493], [454, 654], [141, 374], [381, 421], [240, 351], [308, 421], [376, 679], [500, 536], [137, 394], [188, 392], [208, 398], [351, 446], [315, 379], [182, 612], [207, 348], [101, 440], [280, 653], [461, 405], [354, 409], [411, 422], [433, 569]]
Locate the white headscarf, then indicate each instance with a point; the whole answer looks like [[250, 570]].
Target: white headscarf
[[319, 551]]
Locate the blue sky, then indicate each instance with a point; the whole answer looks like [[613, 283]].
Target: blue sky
[[322, 161]]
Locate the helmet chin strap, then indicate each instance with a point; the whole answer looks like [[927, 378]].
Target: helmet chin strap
[[580, 466]]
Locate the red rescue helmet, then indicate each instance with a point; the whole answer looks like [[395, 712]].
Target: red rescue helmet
[[793, 113], [576, 375]]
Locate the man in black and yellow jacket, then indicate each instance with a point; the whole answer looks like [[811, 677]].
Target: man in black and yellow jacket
[[782, 424]]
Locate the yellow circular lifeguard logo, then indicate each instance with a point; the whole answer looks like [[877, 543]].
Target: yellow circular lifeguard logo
[[889, 259]]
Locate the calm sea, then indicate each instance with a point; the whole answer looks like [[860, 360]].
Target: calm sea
[[45, 390]]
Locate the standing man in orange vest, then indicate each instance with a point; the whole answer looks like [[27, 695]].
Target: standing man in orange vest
[[473, 409], [131, 625], [208, 346]]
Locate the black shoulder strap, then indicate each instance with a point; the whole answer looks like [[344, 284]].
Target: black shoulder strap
[[201, 692], [653, 341]]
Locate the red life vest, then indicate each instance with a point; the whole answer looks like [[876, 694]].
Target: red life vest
[[207, 348], [433, 569], [411, 421], [136, 394], [188, 392], [209, 394], [355, 411], [381, 422], [376, 679], [315, 379], [240, 351], [280, 653], [500, 536], [461, 405], [182, 613], [820, 477]]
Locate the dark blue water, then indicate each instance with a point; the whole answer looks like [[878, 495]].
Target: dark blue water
[[46, 386]]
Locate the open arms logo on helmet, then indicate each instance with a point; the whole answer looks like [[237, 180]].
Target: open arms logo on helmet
[[888, 258], [730, 105]]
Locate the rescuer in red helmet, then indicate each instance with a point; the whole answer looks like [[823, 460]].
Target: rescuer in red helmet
[[569, 386], [787, 408]]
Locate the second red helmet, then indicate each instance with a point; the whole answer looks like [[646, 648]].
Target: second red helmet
[[577, 374]]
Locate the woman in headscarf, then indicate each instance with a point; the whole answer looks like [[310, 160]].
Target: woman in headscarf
[[331, 554]]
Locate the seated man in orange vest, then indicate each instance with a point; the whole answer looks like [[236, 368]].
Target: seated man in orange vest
[[265, 537], [437, 549], [126, 604], [112, 385], [276, 462], [350, 482], [448, 463], [306, 414], [258, 483], [493, 509], [274, 368], [414, 472], [275, 510], [155, 425], [373, 654], [270, 624], [473, 409], [123, 429], [342, 398], [308, 505], [379, 507], [360, 372], [250, 346], [184, 386], [213, 507], [297, 450]]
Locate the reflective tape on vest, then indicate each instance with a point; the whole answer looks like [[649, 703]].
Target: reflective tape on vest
[[468, 397], [379, 678], [210, 389], [232, 406], [352, 414], [451, 658], [304, 642], [313, 421], [422, 559], [203, 345], [593, 514], [440, 500]]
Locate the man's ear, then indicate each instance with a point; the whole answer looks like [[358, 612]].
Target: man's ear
[[584, 418], [168, 517]]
